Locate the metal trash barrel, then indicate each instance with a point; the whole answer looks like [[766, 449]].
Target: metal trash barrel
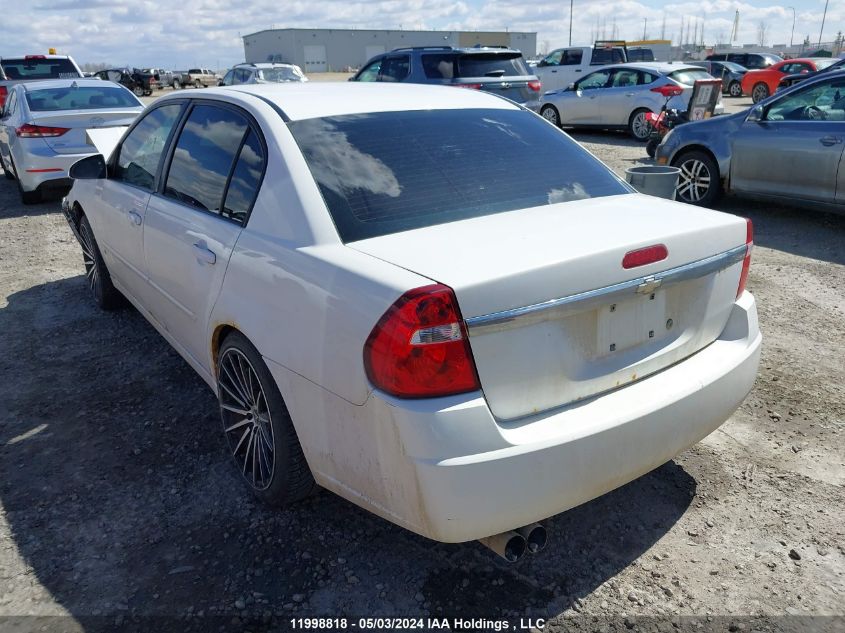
[[654, 180]]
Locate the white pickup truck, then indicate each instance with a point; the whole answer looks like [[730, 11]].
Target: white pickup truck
[[562, 66]]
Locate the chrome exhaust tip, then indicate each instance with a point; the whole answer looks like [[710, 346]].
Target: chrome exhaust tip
[[535, 536], [509, 545]]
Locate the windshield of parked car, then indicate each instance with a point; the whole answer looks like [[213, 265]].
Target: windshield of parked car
[[80, 98], [824, 63], [492, 65], [388, 172], [280, 74], [39, 68], [688, 76]]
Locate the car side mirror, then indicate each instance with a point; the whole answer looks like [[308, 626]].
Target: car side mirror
[[571, 86], [755, 115], [90, 168]]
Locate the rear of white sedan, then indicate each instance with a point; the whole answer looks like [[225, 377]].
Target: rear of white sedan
[[44, 129], [468, 322]]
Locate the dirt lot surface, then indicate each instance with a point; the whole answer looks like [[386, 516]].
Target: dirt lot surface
[[118, 503]]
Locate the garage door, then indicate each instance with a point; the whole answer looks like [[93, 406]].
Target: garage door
[[315, 59]]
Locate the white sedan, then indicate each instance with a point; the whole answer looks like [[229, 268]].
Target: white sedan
[[46, 126], [397, 293]]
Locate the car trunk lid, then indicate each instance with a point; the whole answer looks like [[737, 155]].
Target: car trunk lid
[[553, 317], [75, 140]]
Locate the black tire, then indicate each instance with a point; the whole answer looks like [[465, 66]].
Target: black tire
[[288, 479], [695, 166], [97, 275], [759, 92], [735, 89], [197, 84], [27, 197], [651, 147], [138, 91], [638, 127], [7, 171], [177, 84], [550, 113]]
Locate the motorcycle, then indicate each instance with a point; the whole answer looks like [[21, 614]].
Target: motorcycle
[[667, 119]]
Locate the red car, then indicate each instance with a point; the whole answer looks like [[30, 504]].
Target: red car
[[762, 83]]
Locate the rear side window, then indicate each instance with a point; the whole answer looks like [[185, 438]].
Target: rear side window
[[243, 187], [39, 69], [603, 56], [572, 57], [492, 65], [464, 164], [689, 76], [141, 150], [203, 158], [439, 66]]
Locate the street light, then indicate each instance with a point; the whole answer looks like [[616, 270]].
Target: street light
[[570, 22], [793, 26], [824, 15]]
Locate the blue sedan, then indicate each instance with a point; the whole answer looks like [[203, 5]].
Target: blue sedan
[[788, 146]]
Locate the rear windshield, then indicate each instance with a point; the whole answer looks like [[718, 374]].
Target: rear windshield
[[388, 172], [492, 65], [39, 69], [83, 98], [688, 76], [280, 74]]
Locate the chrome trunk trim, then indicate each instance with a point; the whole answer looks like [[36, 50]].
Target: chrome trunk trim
[[558, 308]]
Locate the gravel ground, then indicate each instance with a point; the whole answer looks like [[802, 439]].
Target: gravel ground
[[118, 504]]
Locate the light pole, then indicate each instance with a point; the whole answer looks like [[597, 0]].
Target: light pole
[[793, 26], [570, 22], [645, 26], [824, 15]]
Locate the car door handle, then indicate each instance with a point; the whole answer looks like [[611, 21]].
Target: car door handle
[[830, 140], [204, 255], [630, 94], [135, 218]]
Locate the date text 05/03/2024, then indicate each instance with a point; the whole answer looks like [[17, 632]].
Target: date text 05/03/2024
[[409, 624]]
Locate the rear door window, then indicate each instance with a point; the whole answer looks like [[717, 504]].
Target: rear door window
[[439, 66], [572, 57], [492, 65], [203, 157], [466, 163], [140, 153], [602, 56]]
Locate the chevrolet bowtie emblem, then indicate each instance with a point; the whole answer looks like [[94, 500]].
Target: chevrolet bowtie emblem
[[650, 284]]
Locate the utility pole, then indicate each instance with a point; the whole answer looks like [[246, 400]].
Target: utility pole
[[791, 35], [663, 28], [824, 15], [645, 24], [570, 22]]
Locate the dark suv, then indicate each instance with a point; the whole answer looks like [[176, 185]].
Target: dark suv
[[752, 61], [501, 71]]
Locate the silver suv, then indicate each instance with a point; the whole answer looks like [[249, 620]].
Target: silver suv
[[263, 73]]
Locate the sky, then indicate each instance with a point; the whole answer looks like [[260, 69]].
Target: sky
[[185, 33]]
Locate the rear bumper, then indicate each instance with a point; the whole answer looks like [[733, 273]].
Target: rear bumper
[[32, 161], [476, 476]]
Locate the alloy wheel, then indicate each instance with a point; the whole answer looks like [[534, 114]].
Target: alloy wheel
[[92, 272], [694, 180], [735, 90], [550, 114], [759, 93], [246, 418], [640, 127]]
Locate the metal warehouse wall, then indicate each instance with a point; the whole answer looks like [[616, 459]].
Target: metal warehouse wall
[[320, 50]]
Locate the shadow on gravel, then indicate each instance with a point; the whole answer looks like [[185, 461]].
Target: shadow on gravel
[[122, 501], [12, 207], [791, 229]]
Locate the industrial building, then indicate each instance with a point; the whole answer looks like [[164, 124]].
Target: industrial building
[[327, 50]]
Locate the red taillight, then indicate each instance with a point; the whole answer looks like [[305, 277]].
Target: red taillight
[[4, 92], [643, 256], [535, 85], [472, 86], [746, 263], [27, 130], [419, 348], [669, 91]]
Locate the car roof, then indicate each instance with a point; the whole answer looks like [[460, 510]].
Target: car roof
[[36, 56], [265, 65], [41, 84], [308, 100]]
